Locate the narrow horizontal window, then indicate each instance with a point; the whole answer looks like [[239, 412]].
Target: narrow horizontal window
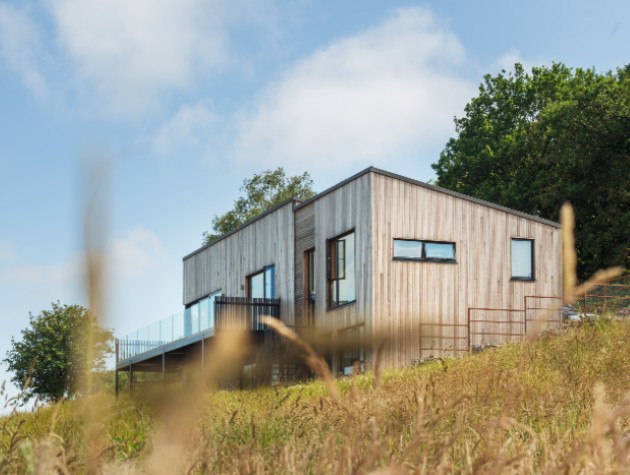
[[431, 251]]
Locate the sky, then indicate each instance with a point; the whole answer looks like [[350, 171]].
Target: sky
[[177, 101]]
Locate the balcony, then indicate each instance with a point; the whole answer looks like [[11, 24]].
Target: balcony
[[178, 333]]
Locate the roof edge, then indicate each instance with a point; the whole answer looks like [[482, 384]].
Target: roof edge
[[273, 209], [472, 199]]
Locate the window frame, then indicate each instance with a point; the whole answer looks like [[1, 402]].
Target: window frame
[[423, 257], [531, 278], [332, 272], [264, 271]]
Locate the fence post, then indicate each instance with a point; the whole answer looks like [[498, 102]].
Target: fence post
[[468, 331]]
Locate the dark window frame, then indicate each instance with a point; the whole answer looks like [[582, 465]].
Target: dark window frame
[[331, 269], [423, 257], [533, 261], [263, 271]]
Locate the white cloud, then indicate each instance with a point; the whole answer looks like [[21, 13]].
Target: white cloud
[[133, 254], [509, 59], [189, 127], [130, 255], [20, 46], [127, 52], [367, 97], [119, 58]]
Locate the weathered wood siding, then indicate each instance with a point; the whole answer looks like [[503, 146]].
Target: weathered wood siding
[[304, 240], [408, 293], [226, 264], [335, 213]]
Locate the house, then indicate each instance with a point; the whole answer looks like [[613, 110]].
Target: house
[[379, 255]]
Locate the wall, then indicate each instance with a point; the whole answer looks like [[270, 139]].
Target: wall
[[408, 293], [226, 264]]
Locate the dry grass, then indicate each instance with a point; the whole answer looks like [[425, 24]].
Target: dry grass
[[560, 404]]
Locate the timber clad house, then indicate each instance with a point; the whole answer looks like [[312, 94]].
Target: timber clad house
[[378, 255]]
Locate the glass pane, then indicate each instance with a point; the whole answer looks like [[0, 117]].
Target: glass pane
[[257, 286], [270, 288], [439, 250], [346, 286], [407, 249], [522, 259]]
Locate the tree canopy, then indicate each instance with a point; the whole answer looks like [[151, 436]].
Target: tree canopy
[[51, 353], [534, 141], [262, 192]]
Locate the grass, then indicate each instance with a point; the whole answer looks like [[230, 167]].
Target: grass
[[559, 404]]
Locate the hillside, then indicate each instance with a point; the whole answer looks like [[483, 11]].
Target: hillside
[[560, 404]]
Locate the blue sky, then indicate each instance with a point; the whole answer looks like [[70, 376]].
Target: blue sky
[[185, 98]]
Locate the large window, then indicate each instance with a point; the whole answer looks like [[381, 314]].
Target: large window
[[431, 251], [261, 285], [341, 278], [200, 315], [522, 259]]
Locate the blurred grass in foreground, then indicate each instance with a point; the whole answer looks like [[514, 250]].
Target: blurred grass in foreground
[[559, 404]]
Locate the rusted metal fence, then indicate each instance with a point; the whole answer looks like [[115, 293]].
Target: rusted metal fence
[[606, 298], [486, 326]]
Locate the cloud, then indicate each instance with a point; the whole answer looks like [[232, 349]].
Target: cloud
[[130, 255], [509, 59], [134, 253], [186, 129], [120, 58], [127, 52], [388, 90], [21, 47]]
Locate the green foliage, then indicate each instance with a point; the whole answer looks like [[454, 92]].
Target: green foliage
[[50, 358], [534, 141], [262, 192]]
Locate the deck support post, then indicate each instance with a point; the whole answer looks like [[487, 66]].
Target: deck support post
[[203, 362], [163, 369], [131, 382], [116, 372]]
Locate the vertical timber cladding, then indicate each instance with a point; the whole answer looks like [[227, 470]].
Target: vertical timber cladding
[[304, 240], [408, 293], [225, 264], [341, 210]]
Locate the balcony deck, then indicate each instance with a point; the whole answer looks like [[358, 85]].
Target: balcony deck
[[167, 345]]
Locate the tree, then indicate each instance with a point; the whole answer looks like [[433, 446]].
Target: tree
[[534, 141], [51, 354], [262, 192]]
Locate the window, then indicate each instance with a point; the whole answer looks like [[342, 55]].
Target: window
[[430, 251], [200, 315], [522, 259], [352, 350], [262, 285], [341, 278], [309, 262]]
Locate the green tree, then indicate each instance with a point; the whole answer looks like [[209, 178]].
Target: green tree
[[51, 353], [262, 192], [533, 141]]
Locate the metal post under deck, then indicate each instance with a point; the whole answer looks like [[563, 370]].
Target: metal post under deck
[[163, 369], [131, 383], [116, 372], [203, 359]]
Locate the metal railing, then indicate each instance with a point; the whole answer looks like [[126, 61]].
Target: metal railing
[[238, 312]]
